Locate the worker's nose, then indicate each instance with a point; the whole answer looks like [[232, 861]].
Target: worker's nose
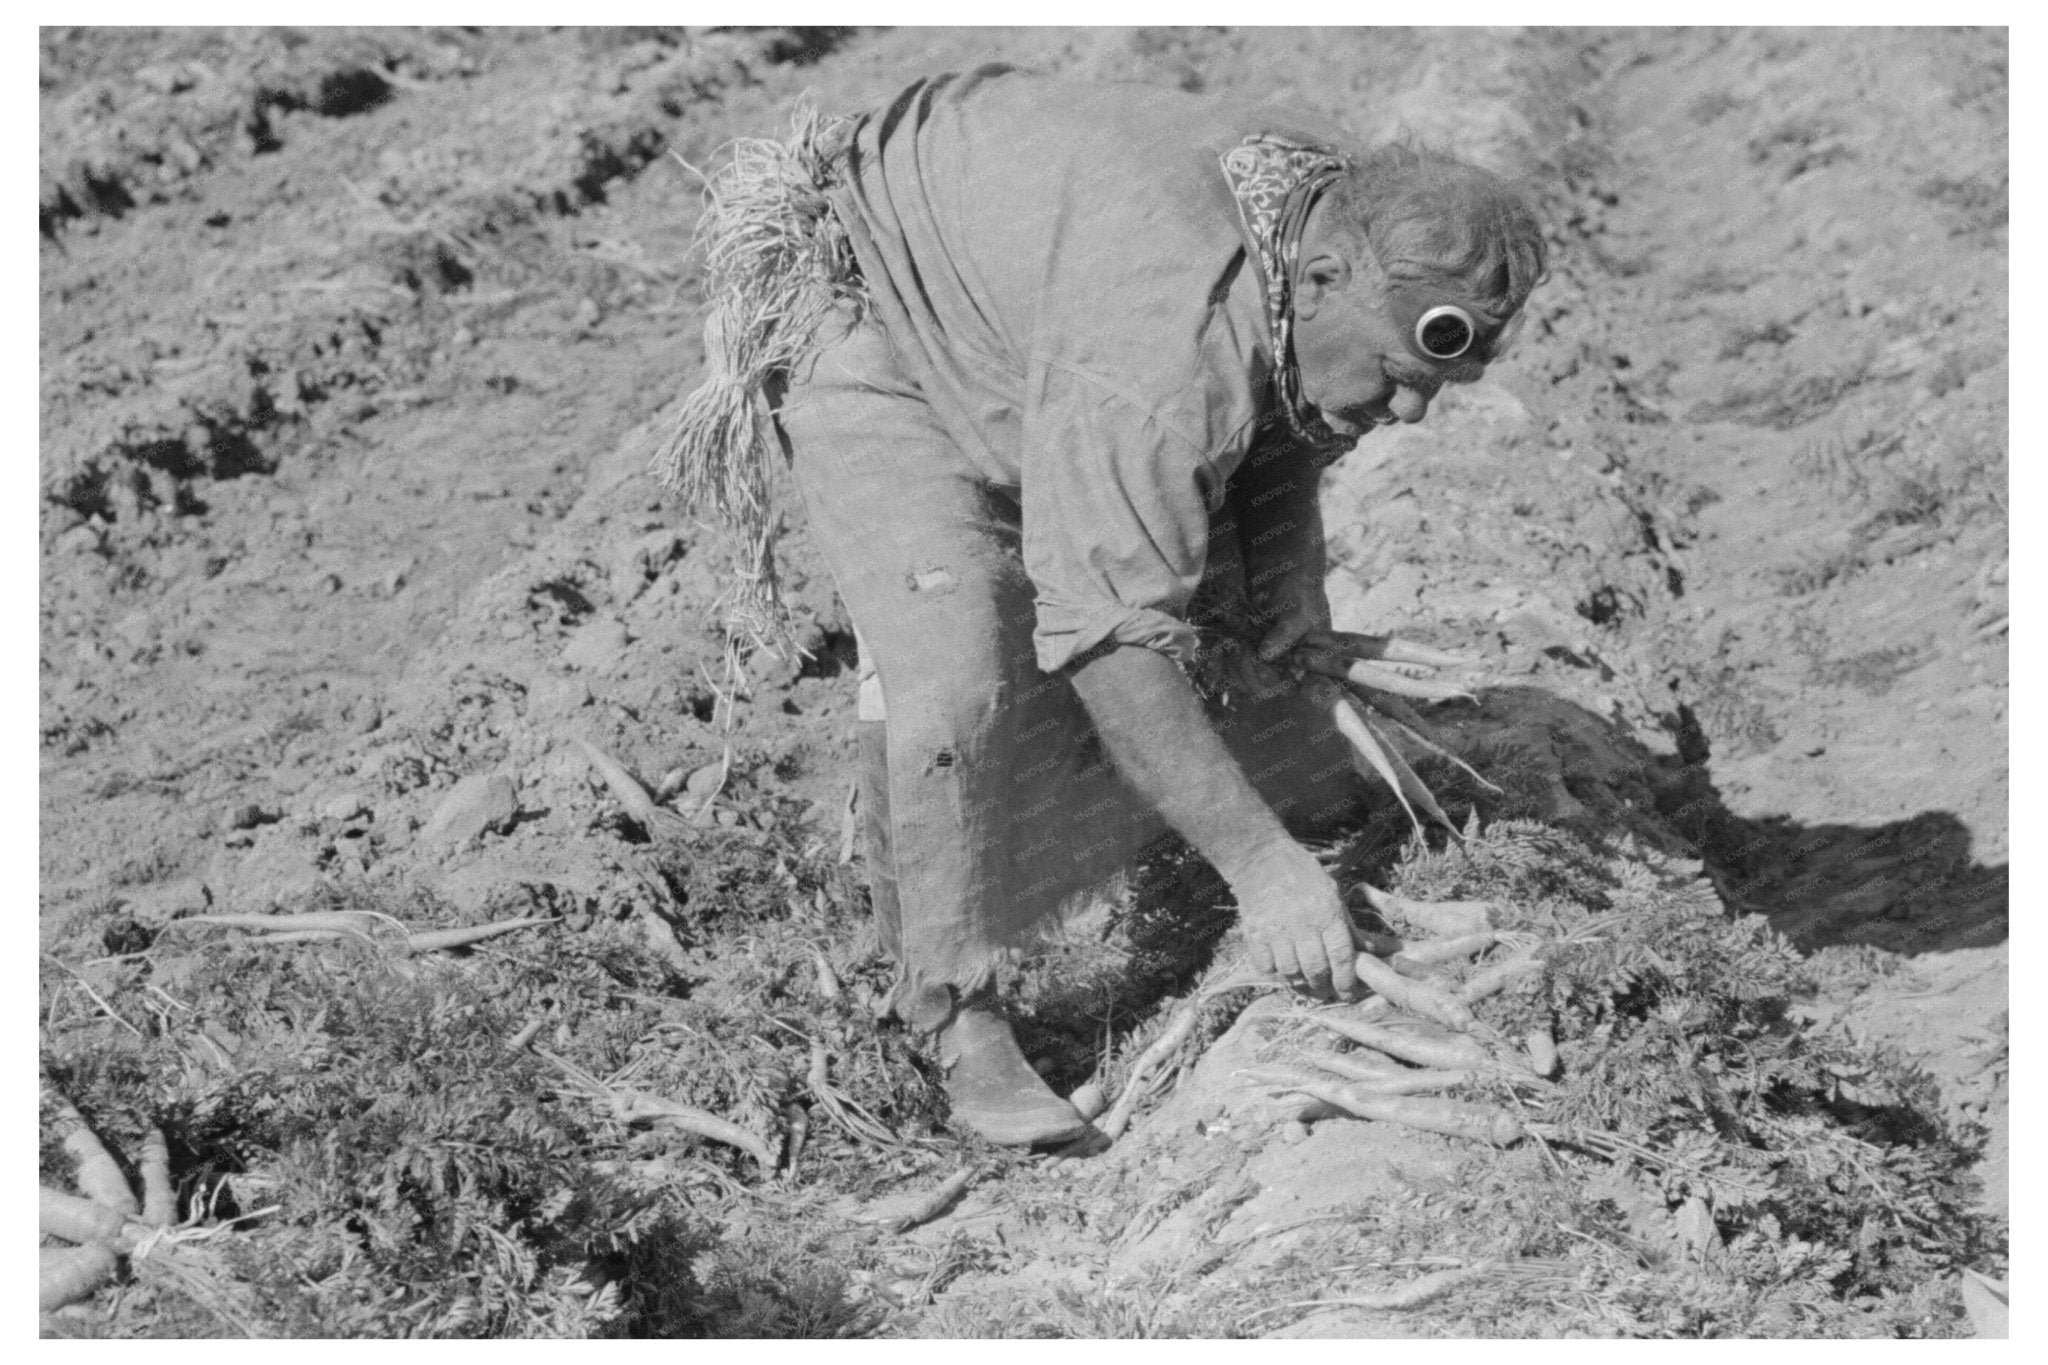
[[1409, 404]]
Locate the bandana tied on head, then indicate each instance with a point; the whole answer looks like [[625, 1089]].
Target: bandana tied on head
[[1275, 183]]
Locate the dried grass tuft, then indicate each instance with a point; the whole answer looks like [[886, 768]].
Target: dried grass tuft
[[776, 262]]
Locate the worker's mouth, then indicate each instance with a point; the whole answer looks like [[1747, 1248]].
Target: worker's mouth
[[1357, 421]]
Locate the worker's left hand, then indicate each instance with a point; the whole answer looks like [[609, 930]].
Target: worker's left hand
[[1293, 609]]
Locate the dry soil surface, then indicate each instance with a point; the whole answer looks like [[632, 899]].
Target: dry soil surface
[[355, 345]]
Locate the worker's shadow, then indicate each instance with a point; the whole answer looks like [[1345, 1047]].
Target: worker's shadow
[[1909, 886]]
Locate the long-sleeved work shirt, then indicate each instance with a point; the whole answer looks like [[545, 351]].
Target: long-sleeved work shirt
[[1064, 270]]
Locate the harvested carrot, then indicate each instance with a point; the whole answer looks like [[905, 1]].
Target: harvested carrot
[[828, 980], [1448, 1054], [1403, 718], [528, 1031], [439, 940], [309, 936], [1438, 951], [1417, 997], [932, 1205], [1492, 980], [635, 1106], [1423, 1289], [798, 1120], [1393, 1081], [1380, 678], [630, 794], [1370, 754], [98, 1175], [1439, 919], [1385, 647], [81, 1220], [159, 1199], [1542, 1050], [1452, 1118], [1284, 1077], [68, 1274], [1177, 1032], [1359, 1066], [356, 922]]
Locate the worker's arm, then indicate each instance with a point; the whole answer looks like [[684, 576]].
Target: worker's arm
[[1161, 741]]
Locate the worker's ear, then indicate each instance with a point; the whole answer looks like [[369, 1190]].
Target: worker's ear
[[1321, 277]]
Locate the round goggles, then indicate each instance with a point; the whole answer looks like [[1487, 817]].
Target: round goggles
[[1445, 332]]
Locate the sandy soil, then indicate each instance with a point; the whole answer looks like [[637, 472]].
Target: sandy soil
[[355, 345]]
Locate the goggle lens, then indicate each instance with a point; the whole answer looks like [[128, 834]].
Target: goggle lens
[[1445, 332]]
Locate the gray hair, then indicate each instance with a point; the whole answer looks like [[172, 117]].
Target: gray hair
[[1433, 219]]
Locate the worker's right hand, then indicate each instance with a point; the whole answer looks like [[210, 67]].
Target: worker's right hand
[[1294, 921]]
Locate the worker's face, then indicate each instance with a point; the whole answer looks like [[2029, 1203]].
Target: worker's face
[[1356, 367]]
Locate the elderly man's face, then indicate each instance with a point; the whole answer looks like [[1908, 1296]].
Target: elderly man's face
[[1356, 366]]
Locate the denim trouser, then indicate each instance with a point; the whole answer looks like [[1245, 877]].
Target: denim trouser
[[989, 801]]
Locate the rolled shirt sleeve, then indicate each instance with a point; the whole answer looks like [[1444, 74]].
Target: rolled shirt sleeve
[[1117, 498]]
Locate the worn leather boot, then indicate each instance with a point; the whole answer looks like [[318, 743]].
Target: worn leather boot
[[993, 1089]]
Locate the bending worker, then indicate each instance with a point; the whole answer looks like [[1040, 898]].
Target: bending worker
[[1055, 367]]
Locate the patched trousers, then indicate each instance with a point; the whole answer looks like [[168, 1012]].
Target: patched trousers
[[989, 801]]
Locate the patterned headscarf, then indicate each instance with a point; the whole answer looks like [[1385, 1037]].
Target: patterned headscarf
[[1276, 182]]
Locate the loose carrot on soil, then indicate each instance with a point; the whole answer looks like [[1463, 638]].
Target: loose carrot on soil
[[932, 1205], [159, 1199], [98, 1175], [1448, 1054], [637, 1106], [629, 793], [634, 1106], [1492, 980], [77, 1219], [1442, 919], [1417, 997], [1397, 1081], [1360, 1066], [798, 1122], [828, 980], [440, 940], [356, 922], [1438, 951], [68, 1274], [1177, 1032], [1452, 1118], [1423, 1289]]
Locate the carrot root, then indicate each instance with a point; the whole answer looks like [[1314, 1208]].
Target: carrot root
[[159, 1198], [932, 1205], [1439, 919], [1449, 1054], [1452, 1118], [99, 1176], [67, 1274], [81, 1220], [634, 1106], [1168, 1043], [1436, 952], [1493, 980], [1417, 997], [440, 940]]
